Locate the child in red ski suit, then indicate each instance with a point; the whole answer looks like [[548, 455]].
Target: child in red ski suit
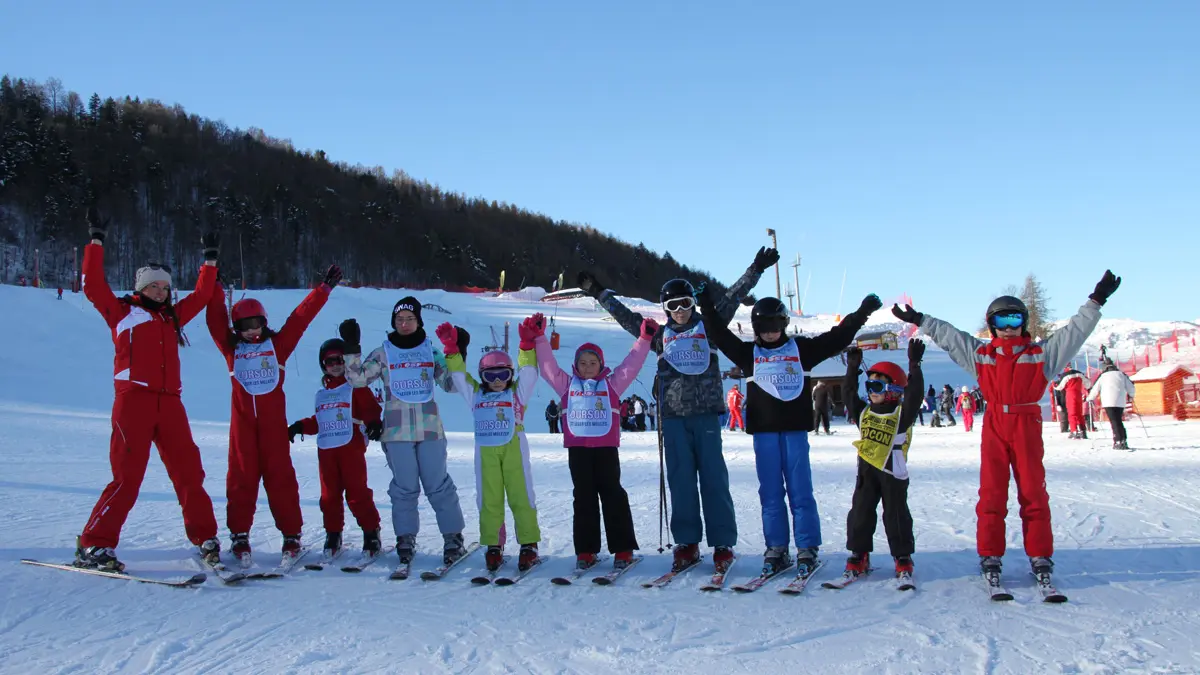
[[342, 449], [258, 428], [1074, 387], [733, 401], [1013, 372], [966, 407], [147, 333]]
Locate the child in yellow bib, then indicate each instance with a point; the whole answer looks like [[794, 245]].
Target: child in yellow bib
[[885, 427]]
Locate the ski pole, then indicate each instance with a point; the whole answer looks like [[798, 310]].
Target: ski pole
[[663, 516], [1142, 421]]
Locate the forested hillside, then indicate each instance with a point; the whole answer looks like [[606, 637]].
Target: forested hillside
[[164, 176]]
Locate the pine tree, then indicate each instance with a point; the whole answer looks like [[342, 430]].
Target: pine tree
[[1033, 294]]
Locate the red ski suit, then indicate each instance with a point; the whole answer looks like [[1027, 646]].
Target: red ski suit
[[344, 470], [258, 437], [966, 406], [1072, 385], [1013, 374], [147, 407], [733, 401]]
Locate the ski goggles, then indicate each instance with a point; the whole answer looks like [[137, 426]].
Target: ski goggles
[[881, 387], [1014, 320], [250, 323], [678, 304], [334, 361], [497, 375], [773, 324], [159, 266]]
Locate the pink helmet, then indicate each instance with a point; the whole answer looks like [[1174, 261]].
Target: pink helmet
[[497, 358]]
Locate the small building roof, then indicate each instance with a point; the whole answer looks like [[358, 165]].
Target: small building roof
[[1160, 372], [875, 335]]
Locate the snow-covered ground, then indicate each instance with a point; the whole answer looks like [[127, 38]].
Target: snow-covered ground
[[1127, 526]]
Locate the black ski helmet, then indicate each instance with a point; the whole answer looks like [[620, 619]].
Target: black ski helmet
[[676, 288], [769, 314], [1007, 304], [330, 345]]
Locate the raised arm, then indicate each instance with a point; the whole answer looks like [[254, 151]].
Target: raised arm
[[1066, 342], [816, 349], [627, 372], [464, 384], [527, 374], [732, 346], [960, 345], [629, 320], [556, 377], [913, 391], [854, 404], [727, 304], [95, 286], [206, 283], [216, 317]]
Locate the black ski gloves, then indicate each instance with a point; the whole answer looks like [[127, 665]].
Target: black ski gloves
[[332, 276], [351, 335], [588, 284], [1107, 286], [765, 258], [704, 300], [916, 351], [854, 358], [908, 314], [869, 305], [374, 431], [212, 245], [97, 228], [294, 430]]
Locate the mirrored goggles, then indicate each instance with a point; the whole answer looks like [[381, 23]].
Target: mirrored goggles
[[1015, 320], [334, 361], [496, 375], [679, 304], [250, 323], [881, 387]]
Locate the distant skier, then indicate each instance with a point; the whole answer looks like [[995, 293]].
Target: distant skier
[[780, 415], [885, 426], [1073, 387], [733, 401], [822, 408], [946, 404], [60, 292], [966, 407], [689, 379], [147, 331], [1113, 389], [414, 440], [259, 449], [342, 449], [552, 414], [1013, 372]]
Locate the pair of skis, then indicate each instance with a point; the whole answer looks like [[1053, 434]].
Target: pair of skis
[[364, 561], [606, 579], [795, 587], [1045, 587], [492, 576], [903, 581]]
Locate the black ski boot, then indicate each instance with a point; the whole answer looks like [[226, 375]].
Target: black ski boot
[[452, 548], [806, 560], [210, 551], [371, 543], [776, 558], [333, 544], [406, 545], [98, 558]]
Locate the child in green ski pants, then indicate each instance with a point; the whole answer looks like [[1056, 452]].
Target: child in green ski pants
[[498, 405]]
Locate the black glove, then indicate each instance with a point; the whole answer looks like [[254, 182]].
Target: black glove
[[212, 245], [704, 299], [333, 275], [374, 431], [294, 430], [351, 335], [869, 305], [464, 340], [854, 358], [765, 258], [908, 314], [97, 228], [916, 350], [1108, 284], [589, 285]]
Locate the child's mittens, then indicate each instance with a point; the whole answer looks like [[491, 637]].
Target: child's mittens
[[448, 334], [530, 330], [649, 328]]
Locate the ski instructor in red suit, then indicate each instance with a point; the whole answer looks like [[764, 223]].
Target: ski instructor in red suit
[[259, 445], [147, 331]]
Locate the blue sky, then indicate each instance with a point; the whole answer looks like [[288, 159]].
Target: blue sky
[[939, 149]]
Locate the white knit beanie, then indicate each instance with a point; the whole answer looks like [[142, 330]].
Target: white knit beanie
[[149, 275]]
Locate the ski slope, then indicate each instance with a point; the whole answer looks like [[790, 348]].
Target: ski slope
[[1127, 526]]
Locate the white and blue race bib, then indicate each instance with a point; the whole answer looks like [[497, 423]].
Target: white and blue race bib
[[335, 423], [688, 351], [778, 371], [495, 417], [410, 372], [255, 367], [588, 410]]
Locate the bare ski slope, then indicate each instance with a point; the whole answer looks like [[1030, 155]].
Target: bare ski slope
[[1127, 526]]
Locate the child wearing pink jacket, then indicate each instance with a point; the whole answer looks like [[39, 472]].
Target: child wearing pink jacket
[[591, 400]]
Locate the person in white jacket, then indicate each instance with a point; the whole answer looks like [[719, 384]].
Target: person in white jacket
[[1113, 388]]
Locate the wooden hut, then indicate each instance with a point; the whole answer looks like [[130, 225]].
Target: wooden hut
[[1156, 388], [883, 339]]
